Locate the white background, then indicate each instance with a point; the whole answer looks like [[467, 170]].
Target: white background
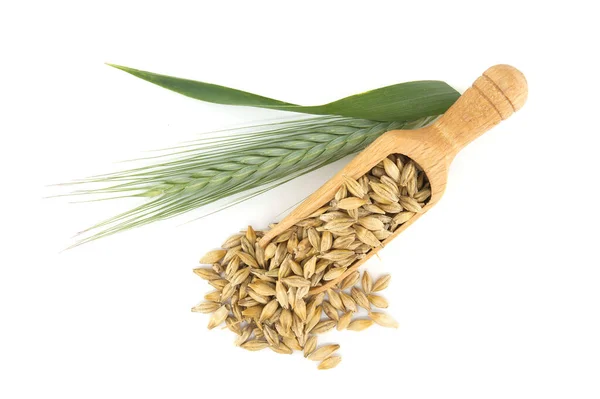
[[496, 289]]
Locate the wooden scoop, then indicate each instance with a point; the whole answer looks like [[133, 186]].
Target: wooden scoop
[[494, 96]]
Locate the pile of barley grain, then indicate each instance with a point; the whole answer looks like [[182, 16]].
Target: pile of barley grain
[[264, 295]]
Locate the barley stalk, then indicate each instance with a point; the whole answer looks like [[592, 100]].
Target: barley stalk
[[251, 161]]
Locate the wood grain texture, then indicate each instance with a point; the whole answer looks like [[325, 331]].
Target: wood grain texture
[[493, 97]]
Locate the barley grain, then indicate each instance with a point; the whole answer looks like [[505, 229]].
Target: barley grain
[[312, 319], [323, 352], [330, 311], [383, 319], [343, 242], [382, 234], [227, 292], [371, 223], [271, 336], [218, 317], [247, 302], [366, 282], [282, 349], [230, 254], [391, 184], [206, 307], [334, 273], [292, 343], [337, 255], [310, 267], [359, 324], [255, 345], [207, 274], [323, 326], [382, 283], [360, 298], [243, 337], [372, 208], [253, 312], [232, 241], [344, 321], [410, 204], [213, 296], [300, 309], [348, 302], [335, 300], [270, 250], [268, 310], [378, 301], [281, 295], [422, 195], [218, 284], [408, 171], [341, 193], [366, 236], [349, 280], [351, 203], [310, 345], [391, 208], [262, 288], [329, 363], [326, 241], [213, 256], [239, 276], [296, 281]]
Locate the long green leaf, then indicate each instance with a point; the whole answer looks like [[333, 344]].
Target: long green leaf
[[400, 102]]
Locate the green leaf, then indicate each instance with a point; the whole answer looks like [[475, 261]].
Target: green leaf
[[399, 102]]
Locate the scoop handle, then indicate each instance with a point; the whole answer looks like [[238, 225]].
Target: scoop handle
[[499, 92]]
